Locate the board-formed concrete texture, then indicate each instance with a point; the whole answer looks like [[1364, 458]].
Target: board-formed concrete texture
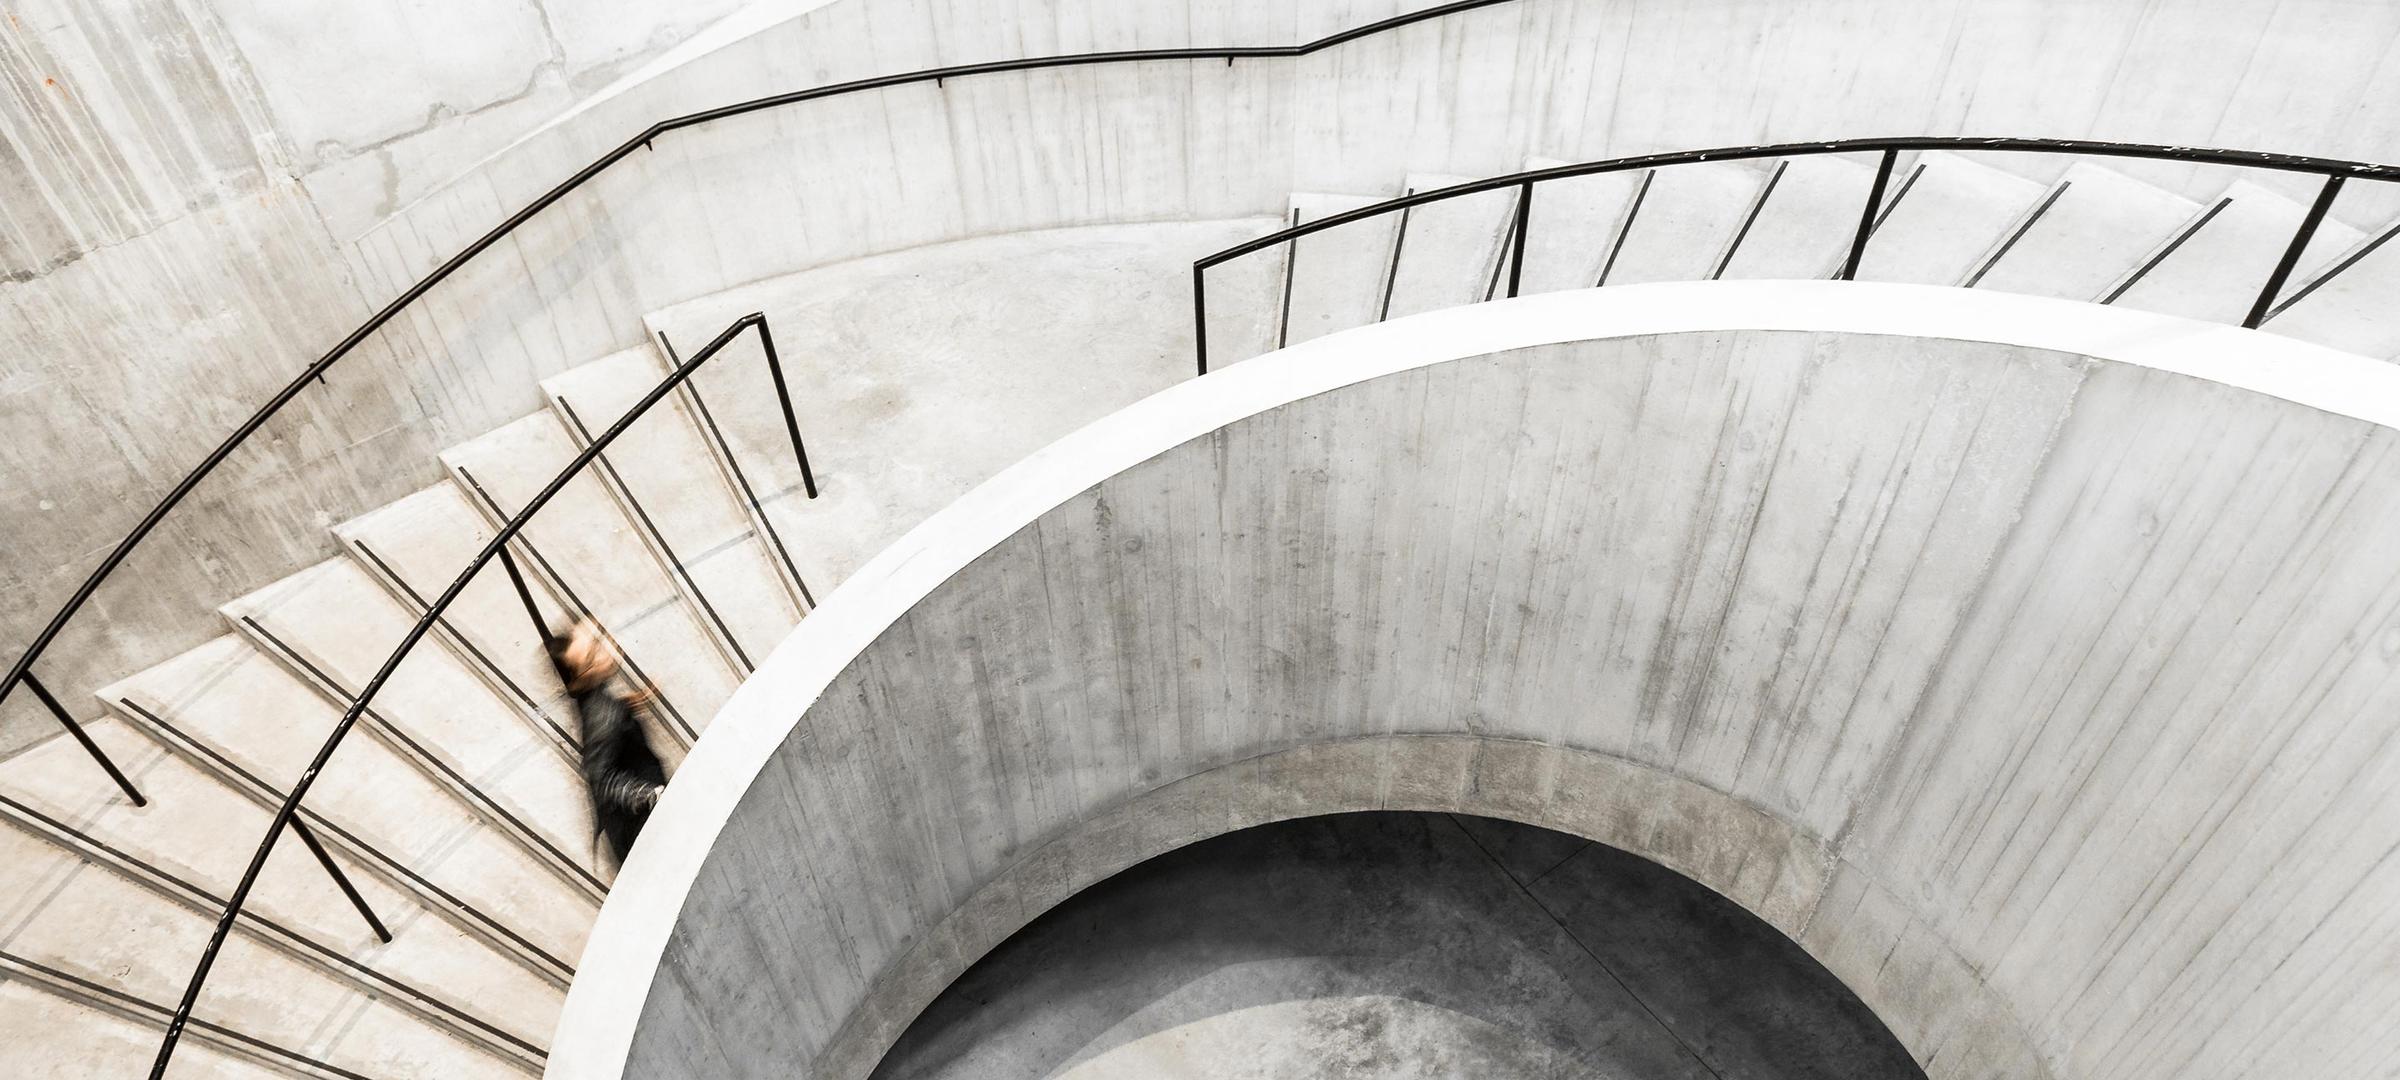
[[211, 198], [2027, 662]]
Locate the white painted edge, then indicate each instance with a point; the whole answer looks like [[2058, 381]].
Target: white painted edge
[[604, 1004]]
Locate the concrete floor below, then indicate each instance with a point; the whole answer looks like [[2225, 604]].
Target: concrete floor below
[[1396, 945]]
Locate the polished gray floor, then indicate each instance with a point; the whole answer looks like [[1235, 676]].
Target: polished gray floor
[[1397, 946]]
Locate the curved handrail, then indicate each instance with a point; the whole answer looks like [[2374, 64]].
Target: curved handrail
[[141, 531], [19, 672], [2335, 170]]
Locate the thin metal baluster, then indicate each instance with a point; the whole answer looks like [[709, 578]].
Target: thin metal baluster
[[1291, 256], [2291, 254], [733, 465], [541, 629], [482, 658], [1516, 244], [1200, 315], [783, 395], [325, 859], [1391, 272], [1866, 217], [42, 693]]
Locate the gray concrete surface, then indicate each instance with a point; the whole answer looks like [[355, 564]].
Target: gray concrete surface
[[1397, 946], [214, 193], [2039, 697]]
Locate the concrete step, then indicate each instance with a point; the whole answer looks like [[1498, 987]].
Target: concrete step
[[665, 473], [1686, 218], [190, 845], [2099, 226], [2352, 310], [414, 548], [56, 1030], [87, 924], [1337, 276], [596, 557], [1450, 252], [1804, 223], [2218, 268], [1576, 223], [1943, 214], [254, 726], [333, 627]]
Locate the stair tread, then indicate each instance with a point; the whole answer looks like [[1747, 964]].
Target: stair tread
[[338, 620], [53, 1037], [198, 830], [113, 932], [1685, 221], [1337, 276], [422, 541], [2102, 226], [217, 693], [1575, 224], [1451, 251], [195, 831], [667, 467], [1940, 223], [2352, 312], [1803, 230], [605, 562], [2217, 272]]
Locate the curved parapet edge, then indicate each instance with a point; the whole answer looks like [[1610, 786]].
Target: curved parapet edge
[[615, 974]]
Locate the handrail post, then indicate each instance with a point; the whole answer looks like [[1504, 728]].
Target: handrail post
[[325, 860], [524, 595], [1200, 315], [1516, 244], [2292, 253], [783, 395], [42, 693], [1866, 217]]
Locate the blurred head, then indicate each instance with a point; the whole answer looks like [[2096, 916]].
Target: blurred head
[[583, 658]]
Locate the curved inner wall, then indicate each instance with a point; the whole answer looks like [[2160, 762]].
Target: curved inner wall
[[2031, 694]]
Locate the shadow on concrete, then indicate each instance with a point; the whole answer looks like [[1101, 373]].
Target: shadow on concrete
[[1397, 945]]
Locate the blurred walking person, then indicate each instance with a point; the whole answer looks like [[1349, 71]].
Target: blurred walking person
[[623, 773]]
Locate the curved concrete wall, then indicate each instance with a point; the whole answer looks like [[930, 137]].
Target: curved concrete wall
[[156, 345], [2033, 677]]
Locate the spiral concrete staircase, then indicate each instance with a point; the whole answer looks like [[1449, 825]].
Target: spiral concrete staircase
[[459, 815]]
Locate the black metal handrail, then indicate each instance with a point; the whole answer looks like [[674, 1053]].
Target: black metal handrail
[[286, 813], [21, 669], [2334, 170], [20, 672]]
